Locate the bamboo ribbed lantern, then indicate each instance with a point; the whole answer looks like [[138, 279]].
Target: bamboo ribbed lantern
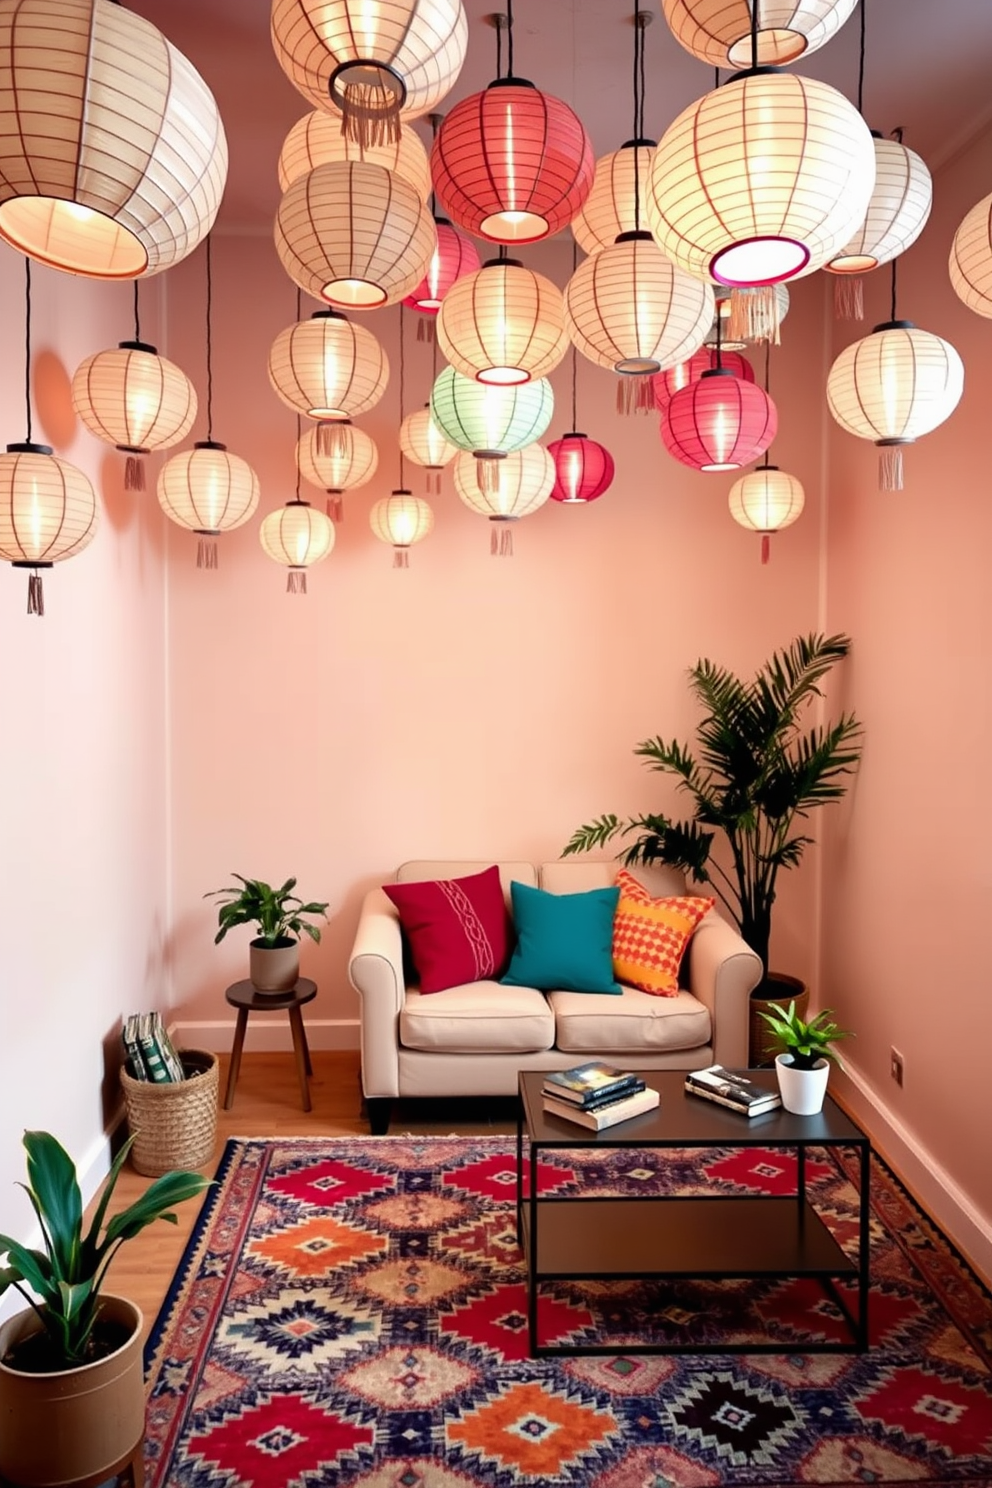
[[454, 256], [297, 536], [584, 469], [611, 208], [719, 422], [135, 400], [351, 463], [330, 369], [766, 500], [316, 139], [207, 490], [970, 263], [401, 519], [666, 384], [47, 513], [524, 482], [489, 421], [897, 214], [719, 31], [423, 442], [503, 324]]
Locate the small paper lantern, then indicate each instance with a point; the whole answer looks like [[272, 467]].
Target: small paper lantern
[[897, 212], [454, 256], [524, 481], [207, 490], [720, 34], [328, 368], [135, 400], [401, 519], [610, 209], [423, 442], [489, 420], [47, 513], [112, 152], [316, 139], [666, 384], [583, 469], [766, 500], [503, 324], [297, 536], [512, 164], [719, 422], [350, 464], [970, 263], [891, 387], [354, 234]]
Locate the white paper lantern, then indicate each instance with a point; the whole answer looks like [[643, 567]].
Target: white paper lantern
[[524, 482], [611, 206], [897, 212], [136, 400], [350, 463], [316, 139], [47, 513], [207, 490], [328, 368], [971, 259], [297, 536], [503, 324], [423, 442], [766, 500], [719, 31], [401, 519]]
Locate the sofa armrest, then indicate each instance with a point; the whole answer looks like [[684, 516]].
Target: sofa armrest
[[723, 971], [375, 970]]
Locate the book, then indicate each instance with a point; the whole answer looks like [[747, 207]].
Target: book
[[732, 1088], [605, 1116], [132, 1049], [157, 1069], [608, 1097], [584, 1082], [167, 1049]]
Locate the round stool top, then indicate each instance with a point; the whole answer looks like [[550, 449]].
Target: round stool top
[[246, 995]]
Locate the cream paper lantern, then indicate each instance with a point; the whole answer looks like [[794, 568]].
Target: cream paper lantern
[[765, 501], [354, 234], [401, 519], [47, 513], [719, 31], [208, 491], [112, 152], [316, 139], [423, 443], [891, 387], [135, 400], [297, 536], [970, 263], [351, 463], [611, 208], [330, 369], [897, 214], [504, 324], [524, 481]]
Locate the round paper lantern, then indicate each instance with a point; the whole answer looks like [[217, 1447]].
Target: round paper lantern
[[328, 367], [666, 384], [297, 536], [401, 519], [611, 206], [349, 464], [766, 500], [112, 154], [720, 34], [719, 422], [971, 259], [47, 513], [373, 60], [207, 490], [135, 400], [524, 481], [583, 469], [891, 387], [512, 164], [897, 212], [454, 256], [489, 420], [316, 139], [423, 442], [354, 234], [503, 324], [761, 180]]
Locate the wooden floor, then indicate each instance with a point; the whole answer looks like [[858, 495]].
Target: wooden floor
[[267, 1104]]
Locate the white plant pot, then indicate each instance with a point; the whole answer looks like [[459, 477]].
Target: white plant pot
[[802, 1090]]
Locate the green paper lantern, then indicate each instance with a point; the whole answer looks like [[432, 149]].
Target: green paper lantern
[[490, 420]]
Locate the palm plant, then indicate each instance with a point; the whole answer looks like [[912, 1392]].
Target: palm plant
[[278, 913], [757, 774]]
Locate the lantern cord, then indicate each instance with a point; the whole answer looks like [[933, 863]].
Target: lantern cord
[[716, 77], [299, 435], [638, 110], [575, 417], [642, 26], [499, 45], [754, 32], [436, 121], [509, 38], [27, 343], [768, 388], [861, 62], [210, 348], [137, 320], [402, 394], [719, 338], [892, 315]]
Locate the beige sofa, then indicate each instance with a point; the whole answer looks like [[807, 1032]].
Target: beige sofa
[[473, 1039]]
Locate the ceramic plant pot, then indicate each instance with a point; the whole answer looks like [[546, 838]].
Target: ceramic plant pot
[[802, 1090], [274, 968]]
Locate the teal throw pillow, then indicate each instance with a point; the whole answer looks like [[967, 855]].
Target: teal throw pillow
[[564, 941]]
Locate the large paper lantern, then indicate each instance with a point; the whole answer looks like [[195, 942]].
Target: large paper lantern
[[372, 60], [766, 500], [719, 31], [401, 519], [423, 442], [891, 387], [970, 263], [512, 164], [524, 482], [316, 139], [719, 422], [112, 153], [454, 256], [207, 490], [584, 469], [762, 180], [666, 384], [354, 234], [328, 368], [489, 419], [135, 400], [47, 513], [614, 206], [297, 536], [897, 214], [503, 324], [351, 463]]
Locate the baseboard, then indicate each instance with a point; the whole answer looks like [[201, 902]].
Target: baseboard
[[931, 1185], [267, 1033]]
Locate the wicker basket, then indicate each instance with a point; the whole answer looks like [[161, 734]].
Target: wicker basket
[[175, 1124], [762, 1043]]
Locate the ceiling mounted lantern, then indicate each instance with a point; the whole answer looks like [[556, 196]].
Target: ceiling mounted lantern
[[371, 61], [423, 442], [354, 234], [504, 324], [766, 500], [891, 387], [584, 469], [453, 258], [970, 264], [47, 513], [110, 168], [208, 491], [135, 400], [488, 421], [329, 369], [352, 463], [719, 422], [524, 482], [666, 384], [297, 536], [316, 139], [897, 214], [719, 31], [615, 204], [401, 519]]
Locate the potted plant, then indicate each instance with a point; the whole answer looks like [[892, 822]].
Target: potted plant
[[72, 1403], [758, 774], [806, 1054], [274, 954]]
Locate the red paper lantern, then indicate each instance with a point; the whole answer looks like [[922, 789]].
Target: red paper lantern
[[720, 422], [512, 164], [454, 256], [583, 468], [665, 385]]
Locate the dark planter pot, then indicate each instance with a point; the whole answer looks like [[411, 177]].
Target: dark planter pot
[[777, 990], [274, 968]]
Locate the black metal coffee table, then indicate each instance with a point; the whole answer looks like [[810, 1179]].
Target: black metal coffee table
[[725, 1237]]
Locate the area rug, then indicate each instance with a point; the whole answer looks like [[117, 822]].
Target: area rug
[[353, 1312]]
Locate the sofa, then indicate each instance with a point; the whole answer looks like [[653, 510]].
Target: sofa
[[473, 1039]]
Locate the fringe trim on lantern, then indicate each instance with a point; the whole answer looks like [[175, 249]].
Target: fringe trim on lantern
[[401, 557], [134, 473], [487, 473], [296, 581], [501, 542], [635, 393], [330, 438], [425, 328], [433, 481], [890, 468], [206, 553], [335, 506], [36, 594], [766, 547], [370, 115], [849, 297], [754, 314]]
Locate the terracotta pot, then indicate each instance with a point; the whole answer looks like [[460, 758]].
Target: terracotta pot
[[75, 1424], [776, 991], [274, 968], [802, 1090]]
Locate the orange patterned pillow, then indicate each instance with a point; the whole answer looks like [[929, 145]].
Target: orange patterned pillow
[[650, 936]]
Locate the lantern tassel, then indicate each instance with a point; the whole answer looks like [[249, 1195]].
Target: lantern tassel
[[849, 297], [296, 581], [487, 474], [433, 481], [754, 314], [370, 115], [766, 547], [501, 538], [330, 439], [134, 473], [635, 394], [36, 594], [206, 553], [335, 506], [890, 468], [401, 557], [425, 329]]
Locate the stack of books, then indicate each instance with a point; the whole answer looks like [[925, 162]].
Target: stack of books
[[149, 1049], [733, 1089], [596, 1095]]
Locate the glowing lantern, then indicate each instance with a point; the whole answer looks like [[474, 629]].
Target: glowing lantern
[[766, 500], [720, 34], [207, 490], [329, 369], [524, 481], [503, 324], [454, 256], [423, 442], [350, 464], [47, 513], [719, 422], [584, 469], [611, 208], [971, 259], [135, 400], [666, 384], [298, 537], [316, 139], [401, 519], [490, 421]]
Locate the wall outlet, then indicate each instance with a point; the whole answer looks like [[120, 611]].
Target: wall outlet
[[896, 1067]]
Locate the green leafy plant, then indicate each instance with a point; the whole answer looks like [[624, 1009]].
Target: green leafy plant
[[276, 912], [756, 775], [806, 1042], [67, 1274]]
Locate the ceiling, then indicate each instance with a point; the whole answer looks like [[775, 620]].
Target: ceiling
[[927, 67]]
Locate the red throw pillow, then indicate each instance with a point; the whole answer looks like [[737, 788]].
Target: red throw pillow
[[457, 928]]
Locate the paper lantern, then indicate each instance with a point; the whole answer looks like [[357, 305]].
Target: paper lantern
[[135, 400], [766, 500], [328, 368], [489, 420], [719, 31], [47, 513], [611, 206], [372, 60], [454, 256], [401, 519], [891, 387], [207, 490], [583, 469], [112, 152], [351, 463], [423, 442], [297, 536], [512, 164], [503, 324], [970, 263], [719, 422], [666, 384], [524, 481], [762, 180], [354, 234], [897, 212], [316, 139]]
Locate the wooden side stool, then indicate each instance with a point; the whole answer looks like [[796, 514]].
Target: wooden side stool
[[246, 997]]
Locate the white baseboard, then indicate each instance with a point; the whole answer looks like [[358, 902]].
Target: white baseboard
[[266, 1033]]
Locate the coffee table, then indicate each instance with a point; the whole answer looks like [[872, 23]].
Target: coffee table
[[574, 1238]]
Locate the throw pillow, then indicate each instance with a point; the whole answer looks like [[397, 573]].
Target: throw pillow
[[457, 929], [650, 936], [564, 941]]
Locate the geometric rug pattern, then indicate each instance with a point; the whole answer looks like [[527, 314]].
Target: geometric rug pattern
[[353, 1312]]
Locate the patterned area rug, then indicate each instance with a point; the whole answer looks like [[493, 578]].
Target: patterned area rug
[[353, 1312]]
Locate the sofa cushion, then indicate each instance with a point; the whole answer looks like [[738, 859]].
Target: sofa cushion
[[650, 936], [457, 928], [563, 940], [480, 1017], [628, 1024]]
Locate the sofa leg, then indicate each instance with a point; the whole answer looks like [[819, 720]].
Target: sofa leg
[[380, 1109]]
